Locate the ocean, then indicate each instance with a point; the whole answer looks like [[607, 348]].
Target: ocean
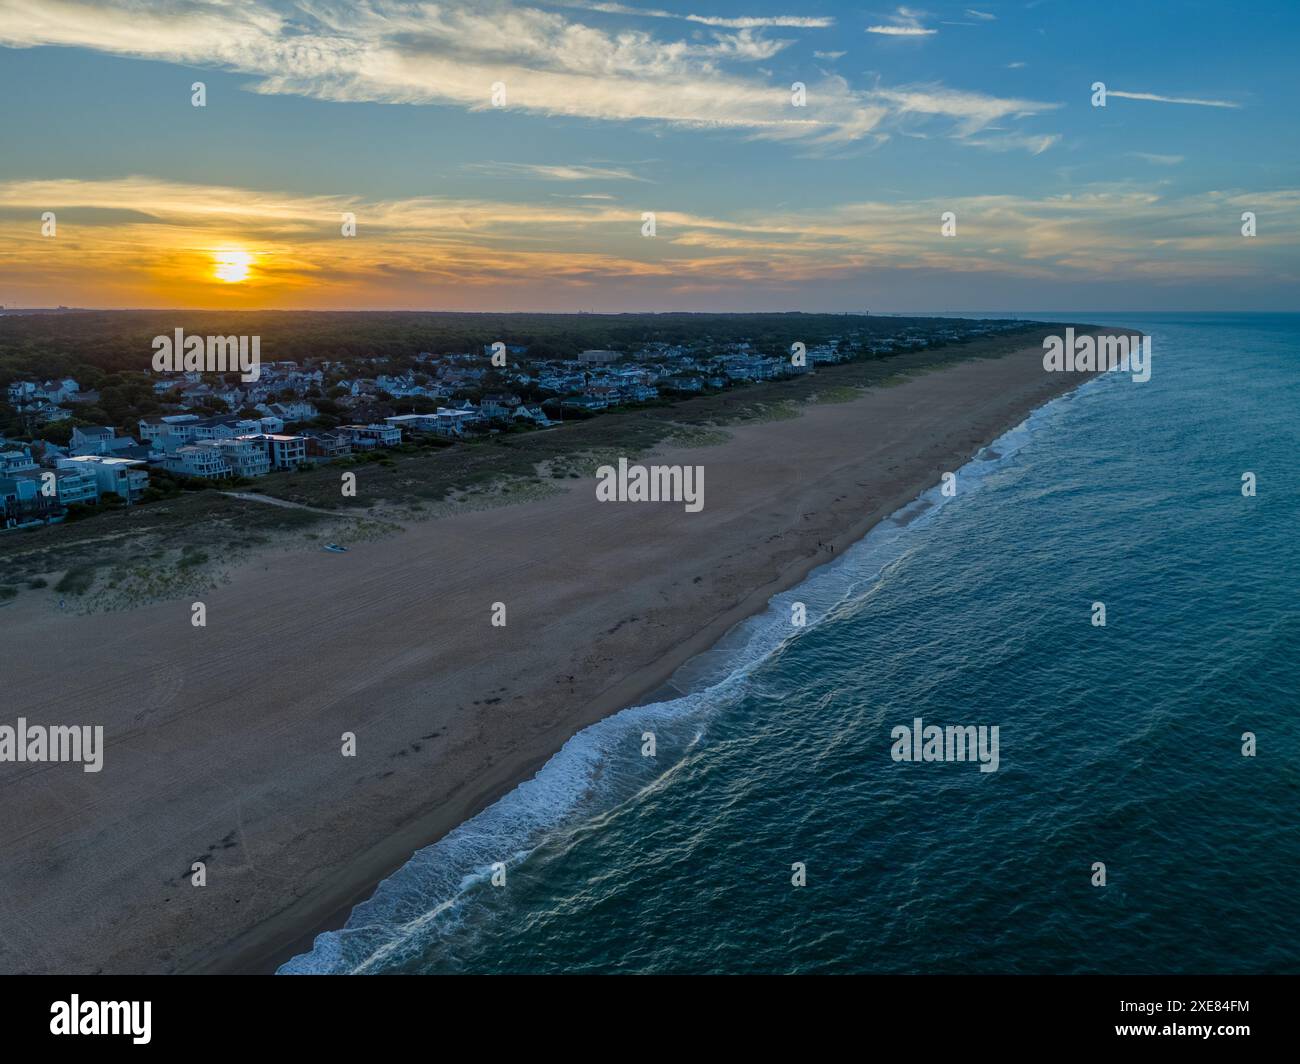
[[1119, 745]]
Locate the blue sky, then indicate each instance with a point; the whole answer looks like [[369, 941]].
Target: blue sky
[[685, 110]]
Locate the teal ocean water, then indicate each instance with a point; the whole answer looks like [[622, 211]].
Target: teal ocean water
[[1119, 744]]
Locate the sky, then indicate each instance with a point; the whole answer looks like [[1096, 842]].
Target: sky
[[504, 155]]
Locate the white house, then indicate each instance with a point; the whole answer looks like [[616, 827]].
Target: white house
[[17, 461], [126, 477], [414, 422], [533, 414], [246, 457], [196, 460], [151, 428], [291, 411], [283, 452], [76, 484], [381, 435]]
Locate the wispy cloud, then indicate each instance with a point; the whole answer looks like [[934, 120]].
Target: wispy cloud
[[983, 16], [905, 23], [742, 22], [555, 173], [1035, 145], [972, 111], [1170, 99], [1158, 160]]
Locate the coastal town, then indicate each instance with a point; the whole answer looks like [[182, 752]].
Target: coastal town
[[196, 429]]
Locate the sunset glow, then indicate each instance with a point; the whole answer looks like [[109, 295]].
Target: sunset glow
[[232, 266]]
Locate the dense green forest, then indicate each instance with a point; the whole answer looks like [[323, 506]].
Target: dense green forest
[[87, 345]]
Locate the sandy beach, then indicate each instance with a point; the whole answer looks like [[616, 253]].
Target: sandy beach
[[223, 742]]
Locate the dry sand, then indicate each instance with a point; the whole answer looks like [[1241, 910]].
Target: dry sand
[[223, 743]]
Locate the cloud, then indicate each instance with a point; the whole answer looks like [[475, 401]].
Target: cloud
[[1035, 145], [1158, 160], [901, 31], [740, 23], [973, 111], [1169, 99], [421, 53], [905, 23], [555, 173], [983, 16]]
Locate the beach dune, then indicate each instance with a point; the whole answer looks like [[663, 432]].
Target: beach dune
[[223, 743]]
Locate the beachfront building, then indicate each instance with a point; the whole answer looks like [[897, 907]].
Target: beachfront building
[[378, 435], [193, 460], [169, 433], [22, 505], [76, 484], [324, 445], [124, 477], [246, 457], [283, 452], [414, 422]]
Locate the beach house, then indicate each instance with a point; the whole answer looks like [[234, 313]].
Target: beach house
[[283, 452], [324, 445], [192, 460], [376, 435], [124, 477], [22, 504]]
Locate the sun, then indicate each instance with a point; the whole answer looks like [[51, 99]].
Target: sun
[[231, 266]]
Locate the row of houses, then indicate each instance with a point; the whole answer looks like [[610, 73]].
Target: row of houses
[[44, 402], [453, 421], [31, 495], [193, 387], [38, 492], [257, 454]]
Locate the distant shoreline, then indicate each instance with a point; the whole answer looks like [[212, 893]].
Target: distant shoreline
[[226, 745]]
